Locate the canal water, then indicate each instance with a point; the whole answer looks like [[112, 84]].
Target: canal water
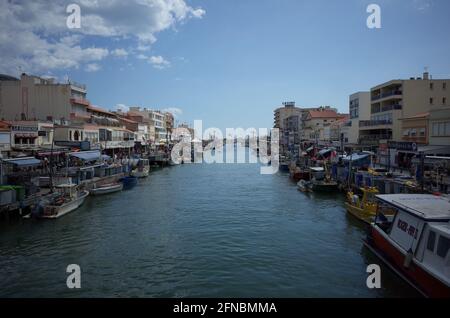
[[196, 230]]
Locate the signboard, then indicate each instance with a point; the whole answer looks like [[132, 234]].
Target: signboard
[[403, 145], [82, 145], [24, 128], [42, 133]]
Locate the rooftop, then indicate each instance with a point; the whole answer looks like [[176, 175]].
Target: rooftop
[[425, 206]]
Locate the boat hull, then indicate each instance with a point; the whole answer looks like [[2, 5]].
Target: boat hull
[[415, 274], [359, 213], [324, 187], [59, 211], [107, 189], [129, 182]]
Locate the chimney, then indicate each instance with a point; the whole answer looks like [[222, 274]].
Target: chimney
[[426, 76]]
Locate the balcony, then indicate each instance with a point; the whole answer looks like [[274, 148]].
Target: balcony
[[373, 123], [373, 140], [379, 109], [386, 94]]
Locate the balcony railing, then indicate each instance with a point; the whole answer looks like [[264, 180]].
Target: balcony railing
[[386, 108], [371, 123], [387, 94]]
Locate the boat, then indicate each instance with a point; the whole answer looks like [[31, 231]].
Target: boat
[[320, 182], [297, 174], [363, 207], [415, 241], [304, 186], [142, 170], [129, 182], [66, 199], [106, 189]]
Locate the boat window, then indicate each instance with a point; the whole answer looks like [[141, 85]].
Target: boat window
[[431, 241], [443, 246]]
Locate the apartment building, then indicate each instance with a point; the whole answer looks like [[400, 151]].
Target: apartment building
[[36, 98], [317, 122], [399, 99], [289, 120], [359, 109], [158, 122]]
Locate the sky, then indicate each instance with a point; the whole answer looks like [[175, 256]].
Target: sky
[[229, 63]]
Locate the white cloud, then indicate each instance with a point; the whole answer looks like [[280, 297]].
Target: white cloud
[[121, 107], [174, 111], [158, 62], [120, 53], [93, 67], [34, 37]]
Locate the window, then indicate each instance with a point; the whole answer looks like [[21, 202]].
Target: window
[[444, 86], [443, 246], [406, 132], [431, 241], [413, 132], [444, 100], [422, 132], [431, 86], [431, 100]]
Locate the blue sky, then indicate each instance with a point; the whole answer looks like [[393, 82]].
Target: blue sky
[[231, 63]]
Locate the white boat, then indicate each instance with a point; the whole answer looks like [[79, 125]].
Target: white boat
[[415, 241], [69, 200], [106, 189], [142, 170]]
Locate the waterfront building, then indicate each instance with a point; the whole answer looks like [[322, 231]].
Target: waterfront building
[[398, 99], [31, 135], [359, 109], [158, 120], [316, 123], [339, 132], [36, 98], [5, 138], [289, 120]]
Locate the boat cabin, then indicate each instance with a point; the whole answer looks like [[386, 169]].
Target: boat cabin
[[67, 190]]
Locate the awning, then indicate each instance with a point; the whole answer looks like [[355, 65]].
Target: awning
[[23, 162], [86, 155], [441, 150], [356, 157]]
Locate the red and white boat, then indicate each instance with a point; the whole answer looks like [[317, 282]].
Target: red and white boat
[[415, 241]]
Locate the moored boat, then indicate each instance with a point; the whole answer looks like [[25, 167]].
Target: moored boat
[[304, 186], [106, 189], [363, 207], [67, 199], [415, 241], [320, 182], [142, 170]]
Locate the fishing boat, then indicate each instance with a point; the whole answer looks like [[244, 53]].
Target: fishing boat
[[129, 182], [415, 241], [106, 189], [304, 186], [363, 207], [320, 182], [66, 199], [297, 174], [142, 170]]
